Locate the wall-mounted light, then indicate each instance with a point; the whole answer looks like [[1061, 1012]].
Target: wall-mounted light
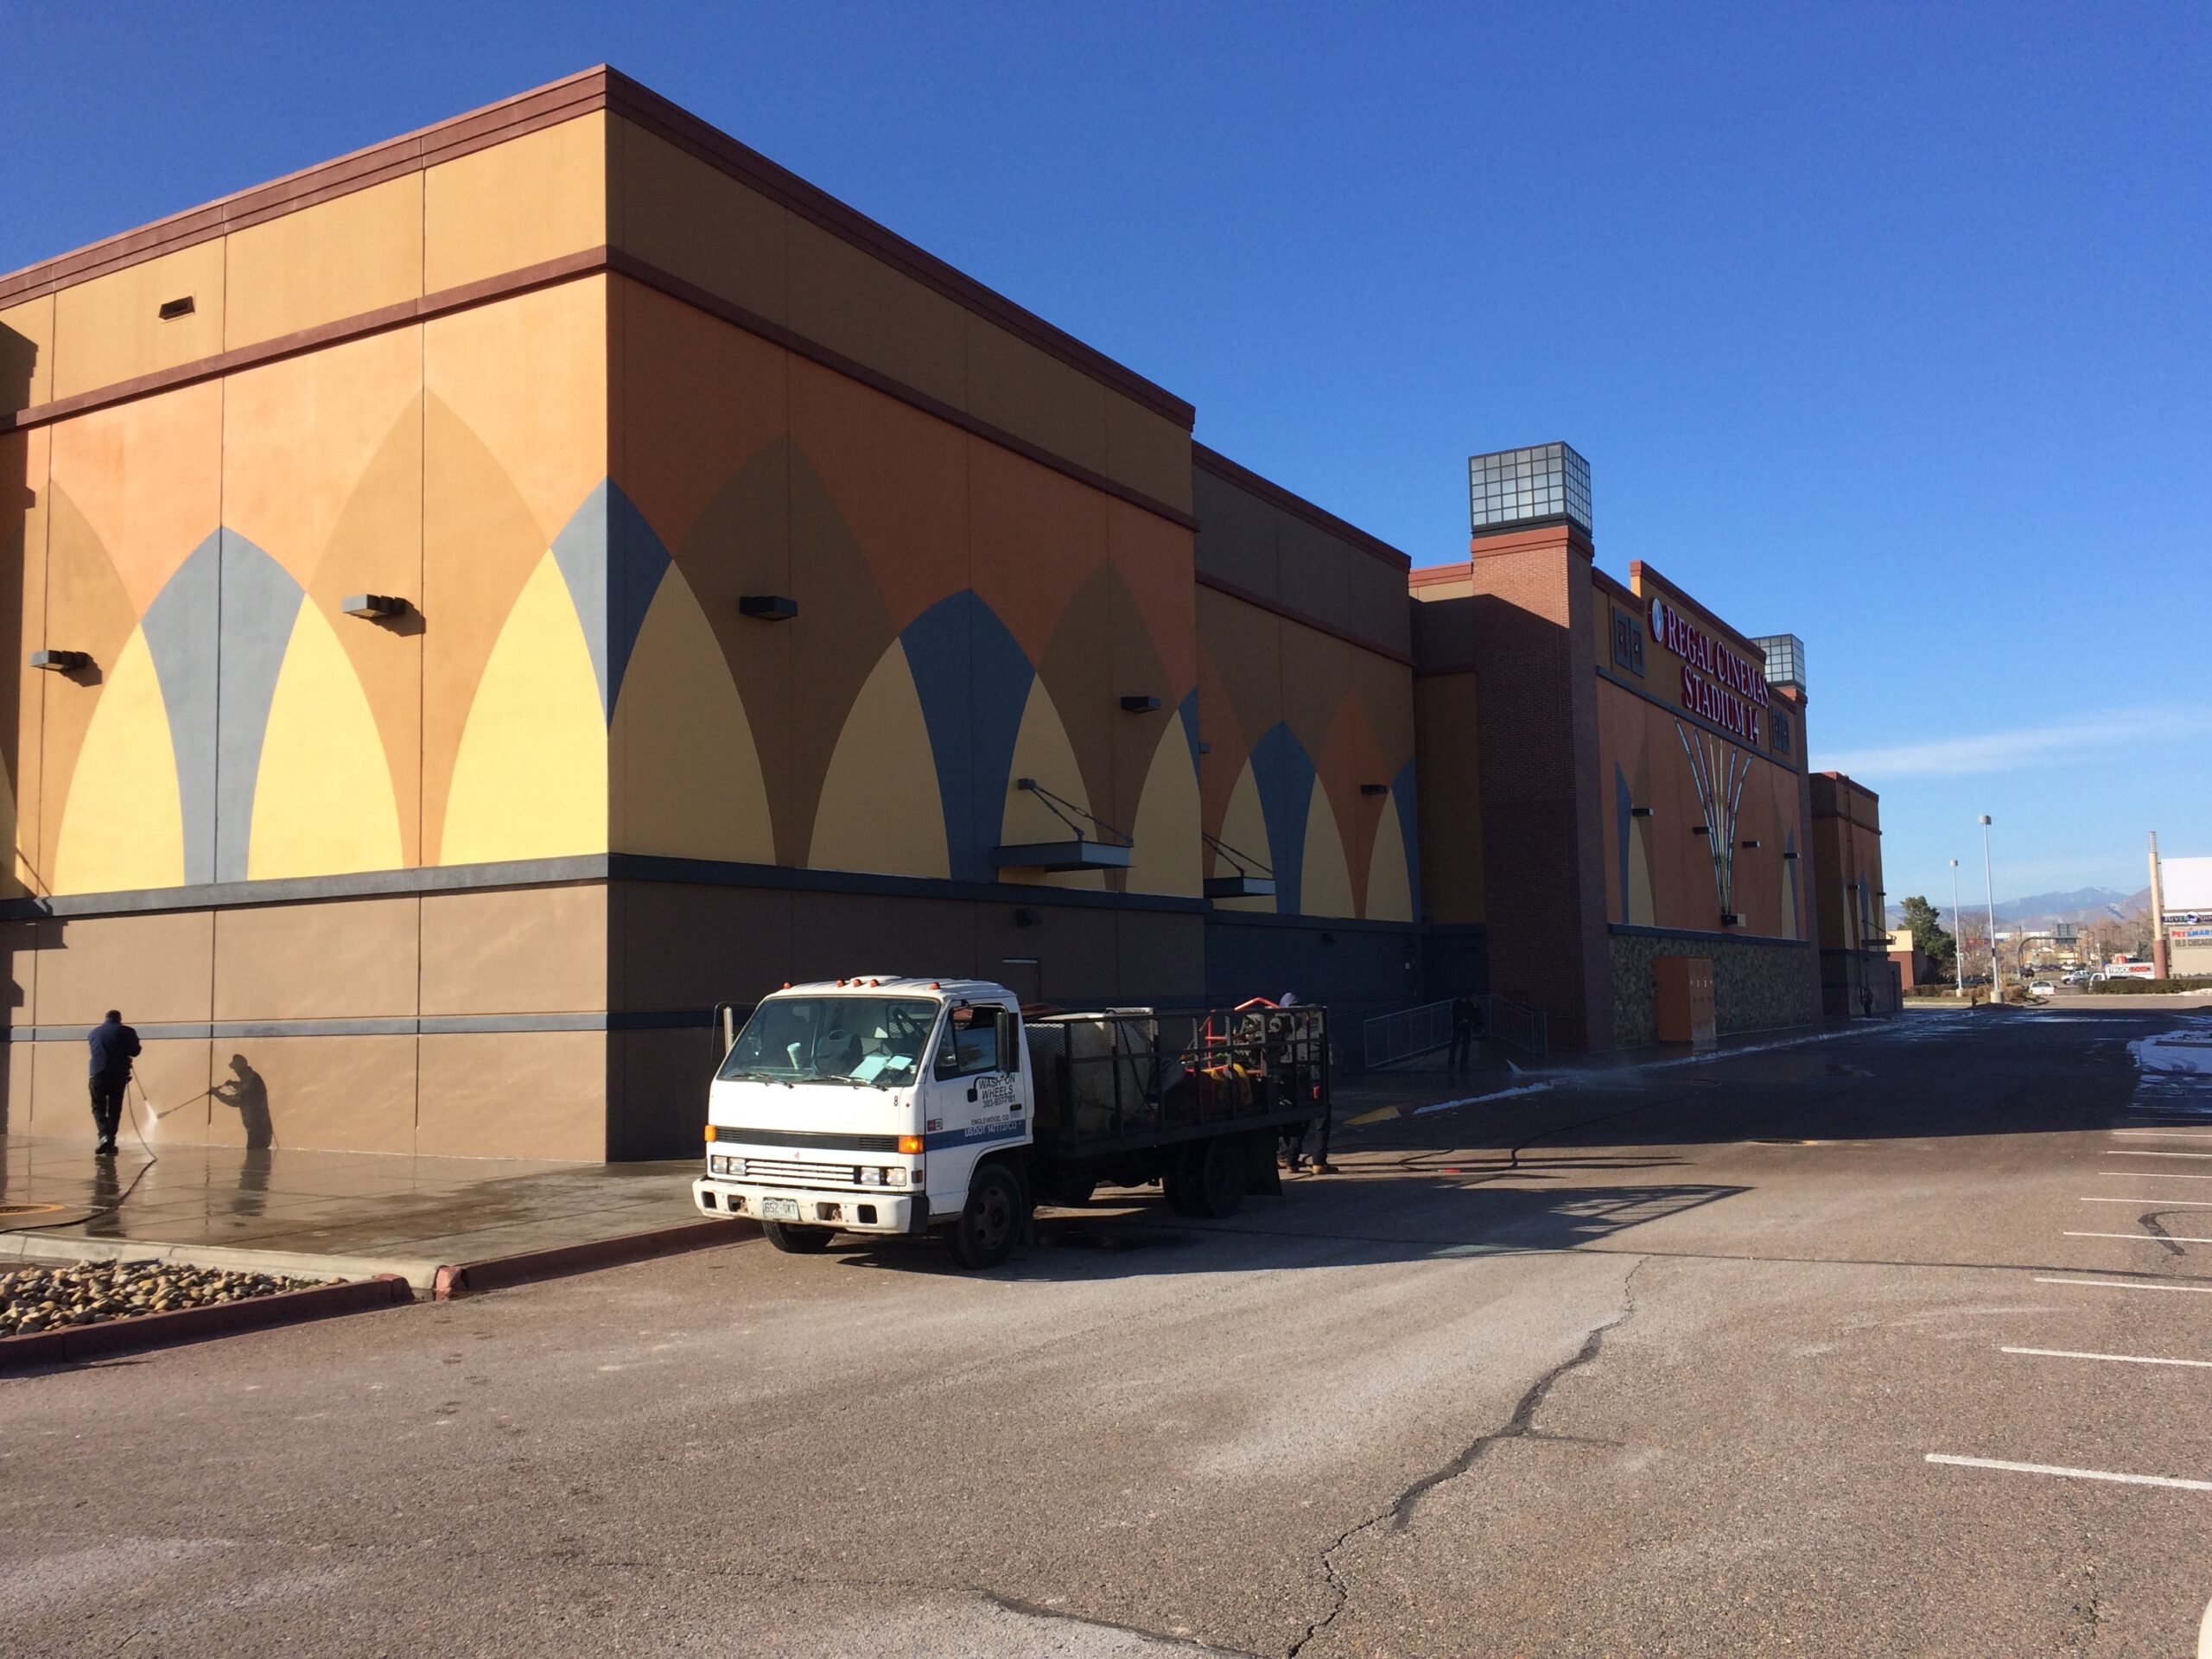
[[1374, 789], [1700, 830], [1027, 918], [1639, 811], [1730, 919], [1140, 705], [172, 309], [1790, 858], [767, 607], [1328, 938], [1747, 844], [376, 607], [60, 662], [1205, 748]]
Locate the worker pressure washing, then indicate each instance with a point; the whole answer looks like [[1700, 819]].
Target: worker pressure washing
[[114, 1046]]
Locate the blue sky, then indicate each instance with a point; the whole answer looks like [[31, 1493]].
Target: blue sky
[[1885, 326]]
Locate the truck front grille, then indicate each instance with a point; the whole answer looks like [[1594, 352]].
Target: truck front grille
[[800, 1174]]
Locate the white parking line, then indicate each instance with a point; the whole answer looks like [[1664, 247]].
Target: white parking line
[[2126, 1284], [2147, 1238], [2205, 1634], [2129, 1152], [2170, 1135], [2164, 1204], [2147, 1175], [2071, 1474], [2124, 1360]]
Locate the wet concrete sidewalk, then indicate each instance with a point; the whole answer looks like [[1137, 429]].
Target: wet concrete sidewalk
[[1379, 1098], [335, 1212]]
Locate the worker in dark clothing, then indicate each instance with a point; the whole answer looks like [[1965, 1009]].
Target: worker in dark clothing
[[114, 1046], [1466, 1019]]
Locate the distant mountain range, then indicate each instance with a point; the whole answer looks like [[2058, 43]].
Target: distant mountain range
[[2081, 906]]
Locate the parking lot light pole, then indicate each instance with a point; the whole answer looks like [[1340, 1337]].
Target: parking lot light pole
[[1989, 892], [1958, 956]]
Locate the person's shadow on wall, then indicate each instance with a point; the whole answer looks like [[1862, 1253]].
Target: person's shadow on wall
[[247, 1093]]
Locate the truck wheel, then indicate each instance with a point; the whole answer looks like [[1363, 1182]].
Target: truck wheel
[[990, 1225], [798, 1241], [1221, 1177]]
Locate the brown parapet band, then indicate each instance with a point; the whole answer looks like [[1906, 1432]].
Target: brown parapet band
[[598, 89], [1304, 618]]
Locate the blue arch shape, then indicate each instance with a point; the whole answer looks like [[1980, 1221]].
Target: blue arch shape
[[973, 680], [613, 562], [1284, 772], [217, 631]]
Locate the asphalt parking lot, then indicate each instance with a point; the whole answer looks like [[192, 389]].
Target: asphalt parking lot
[[1896, 1343]]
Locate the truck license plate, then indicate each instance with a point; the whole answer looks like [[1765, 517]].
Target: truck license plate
[[780, 1209]]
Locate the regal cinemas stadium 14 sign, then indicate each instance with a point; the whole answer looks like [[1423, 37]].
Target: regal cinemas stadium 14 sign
[[1716, 683]]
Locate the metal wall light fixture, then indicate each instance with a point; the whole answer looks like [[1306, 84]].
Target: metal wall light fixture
[[1140, 705], [1639, 811], [767, 607], [1748, 845], [172, 309], [60, 662], [376, 607], [1374, 789]]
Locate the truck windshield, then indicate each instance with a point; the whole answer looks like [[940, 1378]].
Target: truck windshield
[[869, 1041]]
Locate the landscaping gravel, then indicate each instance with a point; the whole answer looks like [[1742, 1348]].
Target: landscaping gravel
[[45, 1298]]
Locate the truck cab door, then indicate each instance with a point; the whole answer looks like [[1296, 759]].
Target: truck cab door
[[973, 1099]]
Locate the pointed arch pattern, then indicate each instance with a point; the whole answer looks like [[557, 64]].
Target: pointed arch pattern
[[243, 730]]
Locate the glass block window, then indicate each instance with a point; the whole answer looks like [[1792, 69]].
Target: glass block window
[[1512, 486], [1785, 658]]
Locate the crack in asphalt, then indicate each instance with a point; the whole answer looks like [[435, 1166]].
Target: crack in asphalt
[[1520, 1426], [1032, 1609], [2157, 1229], [1003, 1602]]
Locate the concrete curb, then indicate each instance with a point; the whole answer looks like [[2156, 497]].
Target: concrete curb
[[76, 1343], [51, 1247], [472, 1278]]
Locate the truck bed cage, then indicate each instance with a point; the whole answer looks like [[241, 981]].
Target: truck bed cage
[[1119, 1079]]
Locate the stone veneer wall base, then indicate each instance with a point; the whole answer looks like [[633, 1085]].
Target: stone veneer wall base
[[1758, 984]]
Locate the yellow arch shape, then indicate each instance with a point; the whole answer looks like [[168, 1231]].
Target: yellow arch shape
[[880, 808], [1642, 911], [1244, 826], [1390, 884], [529, 780], [1325, 880], [688, 782], [322, 798], [1042, 750], [1166, 859], [123, 826]]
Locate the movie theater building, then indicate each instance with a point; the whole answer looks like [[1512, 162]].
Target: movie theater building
[[1641, 793], [481, 602]]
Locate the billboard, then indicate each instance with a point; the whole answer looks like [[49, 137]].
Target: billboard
[[2186, 886]]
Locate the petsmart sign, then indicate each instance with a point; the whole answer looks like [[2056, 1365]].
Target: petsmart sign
[[1725, 689]]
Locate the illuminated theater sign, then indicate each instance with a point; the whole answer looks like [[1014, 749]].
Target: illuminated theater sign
[[1725, 689]]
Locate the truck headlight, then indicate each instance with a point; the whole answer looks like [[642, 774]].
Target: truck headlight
[[894, 1178], [870, 1176]]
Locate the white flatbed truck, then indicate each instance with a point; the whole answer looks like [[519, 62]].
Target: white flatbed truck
[[888, 1105]]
